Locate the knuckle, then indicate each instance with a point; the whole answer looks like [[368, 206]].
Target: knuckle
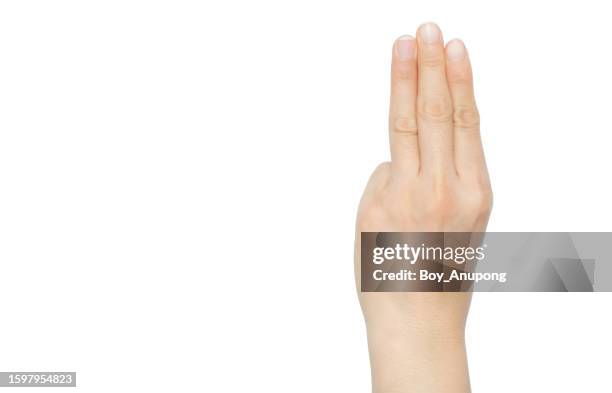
[[441, 206], [460, 77], [432, 61], [402, 72], [441, 202], [435, 109], [370, 217], [382, 169], [480, 202], [486, 201], [405, 125], [466, 117]]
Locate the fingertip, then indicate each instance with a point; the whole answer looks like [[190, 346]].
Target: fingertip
[[405, 37], [429, 33], [458, 67], [455, 50], [430, 47], [405, 47]]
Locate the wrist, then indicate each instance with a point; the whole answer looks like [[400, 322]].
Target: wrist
[[425, 317], [418, 360], [448, 330], [411, 340]]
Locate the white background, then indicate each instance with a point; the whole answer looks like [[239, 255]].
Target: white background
[[179, 182]]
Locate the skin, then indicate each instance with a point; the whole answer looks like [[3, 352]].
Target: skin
[[437, 181]]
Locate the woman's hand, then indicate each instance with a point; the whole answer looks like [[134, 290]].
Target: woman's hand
[[437, 181]]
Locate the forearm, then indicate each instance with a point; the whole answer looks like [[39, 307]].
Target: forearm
[[418, 362]]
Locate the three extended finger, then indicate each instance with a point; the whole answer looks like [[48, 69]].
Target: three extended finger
[[468, 152], [403, 131], [434, 105]]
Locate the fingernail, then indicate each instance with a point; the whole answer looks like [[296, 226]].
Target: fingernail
[[455, 50], [430, 33], [405, 47]]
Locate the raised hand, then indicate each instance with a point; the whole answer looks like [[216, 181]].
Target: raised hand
[[437, 181]]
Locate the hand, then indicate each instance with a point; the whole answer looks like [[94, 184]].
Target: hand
[[437, 181]]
